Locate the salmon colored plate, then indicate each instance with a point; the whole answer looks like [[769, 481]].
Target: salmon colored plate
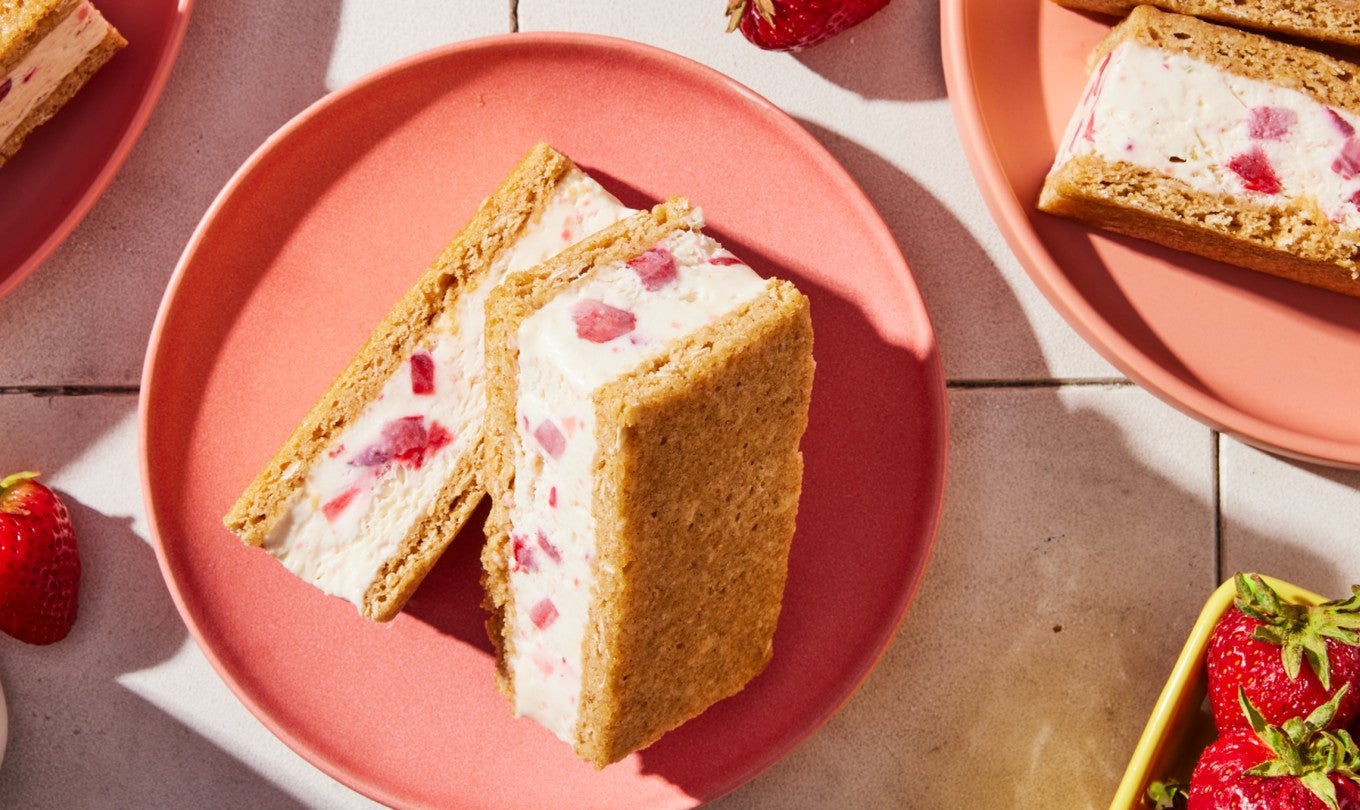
[[1272, 362], [322, 231], [48, 187]]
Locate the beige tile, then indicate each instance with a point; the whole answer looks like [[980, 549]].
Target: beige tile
[[1295, 521], [1075, 551]]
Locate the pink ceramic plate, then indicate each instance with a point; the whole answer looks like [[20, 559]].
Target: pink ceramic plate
[[1269, 361], [47, 188], [329, 223]]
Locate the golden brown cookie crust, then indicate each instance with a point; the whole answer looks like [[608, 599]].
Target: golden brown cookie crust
[[695, 500], [460, 267]]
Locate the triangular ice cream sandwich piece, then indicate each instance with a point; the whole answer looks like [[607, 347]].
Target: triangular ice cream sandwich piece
[[378, 478], [48, 50], [647, 395]]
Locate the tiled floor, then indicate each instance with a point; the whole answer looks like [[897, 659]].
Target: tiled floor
[[1085, 521]]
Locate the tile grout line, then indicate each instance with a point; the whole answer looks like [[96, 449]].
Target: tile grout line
[[69, 390], [1215, 457], [1050, 382]]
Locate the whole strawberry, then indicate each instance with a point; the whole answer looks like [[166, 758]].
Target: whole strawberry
[[1297, 765], [791, 25], [1289, 659], [39, 563]]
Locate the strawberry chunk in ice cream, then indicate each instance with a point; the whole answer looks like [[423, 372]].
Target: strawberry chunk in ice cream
[[598, 328], [1218, 132]]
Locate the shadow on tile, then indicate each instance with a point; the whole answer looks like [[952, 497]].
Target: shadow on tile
[[245, 68], [74, 728], [47, 433], [870, 59], [1059, 594], [977, 320]]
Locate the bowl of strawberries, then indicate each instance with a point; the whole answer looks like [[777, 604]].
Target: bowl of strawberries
[[1261, 709]]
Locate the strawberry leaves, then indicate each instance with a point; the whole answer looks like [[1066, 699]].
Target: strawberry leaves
[[1305, 749], [1300, 631]]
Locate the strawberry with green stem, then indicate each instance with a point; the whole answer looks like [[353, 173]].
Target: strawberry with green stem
[[1288, 659], [1299, 764], [39, 563]]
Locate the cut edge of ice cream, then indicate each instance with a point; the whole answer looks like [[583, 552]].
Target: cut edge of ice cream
[[381, 475], [1218, 132], [47, 64], [595, 330]]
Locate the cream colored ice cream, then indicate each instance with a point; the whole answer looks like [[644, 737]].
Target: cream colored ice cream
[[47, 64], [1218, 132], [597, 329], [384, 472]]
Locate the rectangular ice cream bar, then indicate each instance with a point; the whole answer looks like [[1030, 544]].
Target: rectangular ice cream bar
[[379, 477], [48, 50], [648, 391], [1219, 142]]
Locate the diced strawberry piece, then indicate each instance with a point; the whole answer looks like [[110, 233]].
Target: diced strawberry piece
[[543, 614], [524, 554], [548, 548], [1089, 131], [552, 492], [83, 12], [1347, 164], [550, 438], [439, 437], [5, 88], [1255, 170], [725, 260], [406, 437], [336, 505], [422, 373], [656, 268], [1270, 123], [1355, 199], [372, 456], [1342, 125], [598, 322]]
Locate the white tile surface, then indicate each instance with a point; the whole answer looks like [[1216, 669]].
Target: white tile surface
[[1089, 507], [125, 712], [1295, 521]]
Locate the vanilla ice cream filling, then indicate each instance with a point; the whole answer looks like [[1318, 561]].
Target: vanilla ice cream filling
[[1218, 132], [383, 473], [25, 87], [595, 331]]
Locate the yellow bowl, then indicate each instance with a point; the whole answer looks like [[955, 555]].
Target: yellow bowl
[[1180, 726]]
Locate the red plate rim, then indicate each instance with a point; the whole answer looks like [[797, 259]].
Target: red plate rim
[[116, 159], [1052, 281], [929, 352]]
